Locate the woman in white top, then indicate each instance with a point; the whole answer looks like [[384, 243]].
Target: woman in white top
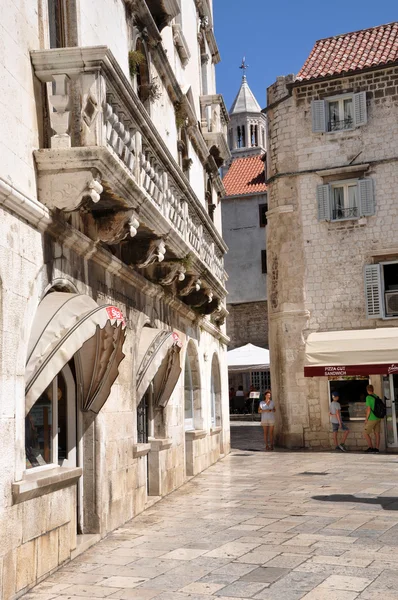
[[267, 410]]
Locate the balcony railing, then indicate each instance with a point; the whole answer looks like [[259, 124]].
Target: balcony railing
[[345, 213], [335, 125], [99, 127]]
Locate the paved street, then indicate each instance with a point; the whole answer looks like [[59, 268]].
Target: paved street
[[277, 526]]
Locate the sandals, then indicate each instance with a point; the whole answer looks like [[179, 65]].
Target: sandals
[[267, 448]]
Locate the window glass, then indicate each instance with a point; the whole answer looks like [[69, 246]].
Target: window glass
[[188, 389], [333, 112], [62, 420], [348, 111], [263, 261], [352, 397], [263, 214], [56, 23], [39, 431], [213, 400]]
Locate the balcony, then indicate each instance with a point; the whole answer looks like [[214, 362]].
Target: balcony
[[214, 122], [107, 165]]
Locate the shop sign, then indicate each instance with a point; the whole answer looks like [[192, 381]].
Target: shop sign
[[350, 370], [115, 313]]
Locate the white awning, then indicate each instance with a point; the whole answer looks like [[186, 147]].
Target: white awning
[[353, 352], [248, 358], [159, 360], [66, 324]]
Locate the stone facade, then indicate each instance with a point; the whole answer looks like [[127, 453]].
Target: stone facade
[[105, 187], [316, 267], [247, 323]]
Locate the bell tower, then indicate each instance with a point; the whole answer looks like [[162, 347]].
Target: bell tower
[[247, 126]]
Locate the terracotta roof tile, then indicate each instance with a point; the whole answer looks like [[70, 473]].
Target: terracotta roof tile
[[350, 52], [245, 176]]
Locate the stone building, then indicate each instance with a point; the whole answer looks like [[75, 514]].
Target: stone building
[[113, 377], [244, 222], [332, 244]]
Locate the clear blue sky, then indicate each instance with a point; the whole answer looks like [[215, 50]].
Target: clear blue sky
[[277, 36]]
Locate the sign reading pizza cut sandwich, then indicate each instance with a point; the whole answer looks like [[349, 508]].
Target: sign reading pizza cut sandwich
[[350, 370]]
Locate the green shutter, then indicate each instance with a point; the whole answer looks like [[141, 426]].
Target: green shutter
[[323, 200], [373, 299], [366, 197], [318, 110], [360, 110]]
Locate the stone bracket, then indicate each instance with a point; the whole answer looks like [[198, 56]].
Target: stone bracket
[[113, 228], [67, 191]]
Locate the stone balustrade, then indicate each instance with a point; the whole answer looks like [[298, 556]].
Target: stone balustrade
[[96, 111]]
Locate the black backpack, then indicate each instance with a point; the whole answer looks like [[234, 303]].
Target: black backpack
[[379, 410]]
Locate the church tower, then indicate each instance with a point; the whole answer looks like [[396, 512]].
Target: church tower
[[247, 126]]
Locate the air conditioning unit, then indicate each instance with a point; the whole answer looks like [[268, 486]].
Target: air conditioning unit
[[391, 299]]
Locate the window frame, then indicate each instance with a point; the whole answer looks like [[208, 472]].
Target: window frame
[[189, 422], [262, 210], [345, 184], [264, 262], [72, 425], [383, 290], [340, 99]]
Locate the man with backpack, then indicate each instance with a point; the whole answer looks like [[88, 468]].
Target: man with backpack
[[375, 412]]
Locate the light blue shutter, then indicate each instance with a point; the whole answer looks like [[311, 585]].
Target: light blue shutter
[[318, 110], [373, 299], [366, 197], [323, 200], [360, 111]]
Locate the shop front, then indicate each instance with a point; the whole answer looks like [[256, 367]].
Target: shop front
[[350, 360]]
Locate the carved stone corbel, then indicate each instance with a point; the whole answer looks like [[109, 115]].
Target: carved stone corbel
[[176, 273], [155, 253], [67, 191], [193, 284], [113, 228]]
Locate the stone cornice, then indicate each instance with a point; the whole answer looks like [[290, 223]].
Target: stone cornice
[[29, 209]]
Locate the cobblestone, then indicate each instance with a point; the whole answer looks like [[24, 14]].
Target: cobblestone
[[276, 526]]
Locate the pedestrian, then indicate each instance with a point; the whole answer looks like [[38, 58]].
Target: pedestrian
[[372, 423], [267, 410], [337, 422]]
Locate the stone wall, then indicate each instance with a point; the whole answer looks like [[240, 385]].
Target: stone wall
[[247, 323], [316, 267]]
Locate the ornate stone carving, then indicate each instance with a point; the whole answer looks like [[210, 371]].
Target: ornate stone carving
[[68, 191], [155, 253], [192, 284], [176, 273], [113, 228]]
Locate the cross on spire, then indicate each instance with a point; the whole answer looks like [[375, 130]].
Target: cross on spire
[[244, 66]]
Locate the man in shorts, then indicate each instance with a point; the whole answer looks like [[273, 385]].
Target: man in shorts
[[336, 421], [372, 423]]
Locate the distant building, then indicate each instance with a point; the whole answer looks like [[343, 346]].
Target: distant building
[[332, 245], [244, 222]]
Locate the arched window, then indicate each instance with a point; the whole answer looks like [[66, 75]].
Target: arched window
[[215, 393], [253, 135], [241, 136], [50, 425], [192, 390]]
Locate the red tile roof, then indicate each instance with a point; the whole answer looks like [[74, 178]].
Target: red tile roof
[[245, 176], [350, 52]]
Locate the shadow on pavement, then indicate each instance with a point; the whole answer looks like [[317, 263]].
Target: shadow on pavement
[[247, 437], [387, 503]]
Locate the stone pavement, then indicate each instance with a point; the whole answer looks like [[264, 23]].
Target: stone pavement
[[269, 526]]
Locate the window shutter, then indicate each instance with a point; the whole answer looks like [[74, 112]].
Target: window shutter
[[360, 112], [374, 304], [323, 199], [366, 197], [318, 109]]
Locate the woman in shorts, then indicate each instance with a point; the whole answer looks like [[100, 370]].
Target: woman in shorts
[[267, 410]]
